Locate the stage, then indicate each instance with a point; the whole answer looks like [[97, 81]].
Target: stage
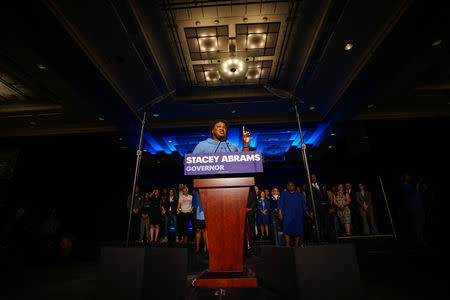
[[387, 271]]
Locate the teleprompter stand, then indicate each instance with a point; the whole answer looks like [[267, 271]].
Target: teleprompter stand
[[144, 108]]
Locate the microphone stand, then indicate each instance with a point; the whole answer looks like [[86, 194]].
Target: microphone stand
[[295, 100], [145, 108]]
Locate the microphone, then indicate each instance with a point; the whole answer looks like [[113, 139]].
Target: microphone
[[217, 146], [228, 146]]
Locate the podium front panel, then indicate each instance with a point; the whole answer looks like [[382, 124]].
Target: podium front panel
[[225, 210]]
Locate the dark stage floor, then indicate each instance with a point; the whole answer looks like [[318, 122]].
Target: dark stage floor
[[388, 271]]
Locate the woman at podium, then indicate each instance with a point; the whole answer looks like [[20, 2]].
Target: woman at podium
[[218, 142]]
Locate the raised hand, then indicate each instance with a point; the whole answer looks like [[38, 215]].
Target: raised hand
[[245, 136]]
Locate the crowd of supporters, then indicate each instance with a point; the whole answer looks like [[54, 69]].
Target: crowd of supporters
[[291, 215]]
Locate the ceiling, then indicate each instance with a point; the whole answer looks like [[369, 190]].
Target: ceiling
[[90, 66]]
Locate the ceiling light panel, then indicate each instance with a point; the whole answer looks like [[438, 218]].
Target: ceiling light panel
[[261, 37], [208, 75], [258, 71], [204, 42]]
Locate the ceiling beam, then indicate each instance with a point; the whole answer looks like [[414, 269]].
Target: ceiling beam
[[364, 58], [99, 60], [16, 108], [237, 120], [59, 129], [434, 86], [223, 94], [318, 28]]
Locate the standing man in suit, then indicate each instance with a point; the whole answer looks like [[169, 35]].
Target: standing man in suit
[[136, 216], [365, 209], [355, 228], [323, 208], [250, 220]]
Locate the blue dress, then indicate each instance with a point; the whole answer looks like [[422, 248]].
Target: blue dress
[[263, 203], [293, 208]]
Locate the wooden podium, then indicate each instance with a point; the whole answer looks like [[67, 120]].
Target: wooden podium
[[224, 201]]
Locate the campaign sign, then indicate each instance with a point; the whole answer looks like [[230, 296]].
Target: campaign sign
[[223, 163]]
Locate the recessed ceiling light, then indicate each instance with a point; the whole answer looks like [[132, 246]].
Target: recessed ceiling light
[[329, 147], [348, 47], [332, 134], [197, 23], [41, 66], [256, 40], [216, 21], [208, 44], [101, 118], [312, 108], [436, 43], [371, 105], [120, 139], [233, 111], [245, 20], [212, 75], [156, 115], [145, 150], [170, 141]]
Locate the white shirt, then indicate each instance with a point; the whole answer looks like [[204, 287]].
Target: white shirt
[[170, 200], [186, 203], [315, 185]]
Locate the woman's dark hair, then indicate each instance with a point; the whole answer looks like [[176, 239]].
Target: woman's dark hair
[[404, 176], [214, 124], [174, 192]]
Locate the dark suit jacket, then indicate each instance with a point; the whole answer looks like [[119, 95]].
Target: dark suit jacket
[[367, 198], [320, 196], [352, 195], [167, 204], [252, 200]]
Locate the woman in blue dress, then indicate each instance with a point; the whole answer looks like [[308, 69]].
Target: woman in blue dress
[[291, 208], [263, 217]]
